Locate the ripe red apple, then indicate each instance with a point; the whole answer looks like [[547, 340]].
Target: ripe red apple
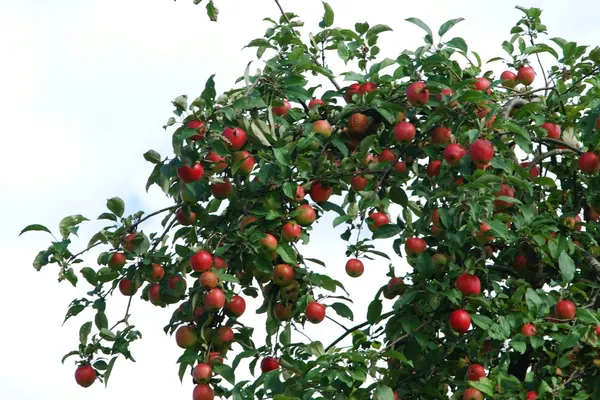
[[222, 190], [299, 194], [371, 159], [225, 334], [323, 127], [158, 272], [400, 167], [453, 153], [203, 392], [202, 373], [186, 337], [315, 103], [589, 163], [404, 131], [468, 284], [354, 267], [417, 94], [315, 312], [482, 84], [283, 274], [291, 232], [394, 287], [85, 375], [208, 280], [269, 364], [597, 329], [441, 135], [534, 171], [475, 372], [565, 309], [481, 152], [214, 357], [127, 242], [505, 191], [352, 89], [280, 111], [415, 246], [306, 216], [201, 261], [217, 163], [459, 321], [154, 295], [386, 155], [358, 183], [269, 242], [520, 263], [471, 394], [552, 129], [236, 137], [282, 312], [509, 79], [434, 168], [117, 260], [358, 124], [237, 305], [219, 263], [448, 93], [528, 330], [320, 193], [214, 300], [531, 395], [526, 75], [127, 287], [199, 126], [185, 219], [367, 87], [379, 219], [484, 236], [190, 174], [244, 161]]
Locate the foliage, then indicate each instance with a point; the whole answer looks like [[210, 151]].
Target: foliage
[[512, 228]]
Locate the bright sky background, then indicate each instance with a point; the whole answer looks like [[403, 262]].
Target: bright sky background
[[85, 87]]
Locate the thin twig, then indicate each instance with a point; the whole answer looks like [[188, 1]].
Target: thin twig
[[355, 327], [336, 322]]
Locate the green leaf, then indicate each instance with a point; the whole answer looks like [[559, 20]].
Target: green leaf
[[534, 303], [374, 311], [383, 392], [316, 348], [272, 382], [247, 103], [109, 369], [287, 253], [376, 30], [108, 216], [100, 320], [569, 341], [67, 223], [282, 154], [327, 17], [541, 48], [340, 219], [289, 189], [386, 231], [107, 334], [212, 11], [518, 346], [69, 354], [152, 156], [446, 26], [398, 196], [90, 275], [421, 25], [225, 371], [84, 332], [484, 385], [458, 43], [35, 227], [481, 321], [106, 274], [567, 267], [343, 311], [116, 205]]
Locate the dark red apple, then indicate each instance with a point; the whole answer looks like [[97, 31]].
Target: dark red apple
[[367, 87], [441, 135], [434, 168], [190, 174], [127, 287], [203, 392], [354, 267], [186, 337], [417, 94], [481, 152], [415, 246], [358, 183], [526, 75], [236, 137], [453, 153], [565, 309], [589, 163], [315, 312], [404, 131], [85, 375], [237, 305], [201, 261], [468, 284], [222, 190], [320, 193], [269, 364], [505, 191], [459, 321]]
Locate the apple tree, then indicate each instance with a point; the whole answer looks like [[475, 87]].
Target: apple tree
[[488, 185]]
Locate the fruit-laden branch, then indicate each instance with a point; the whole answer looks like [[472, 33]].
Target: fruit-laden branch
[[558, 142], [356, 327], [548, 154]]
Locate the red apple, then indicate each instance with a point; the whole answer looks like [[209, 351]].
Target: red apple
[[481, 152], [222, 190], [154, 295], [202, 373], [448, 93], [236, 137], [400, 167], [199, 126], [358, 183], [225, 335], [208, 280], [482, 84], [453, 153], [291, 232], [186, 337], [190, 174], [117, 260], [441, 135], [269, 364], [552, 129], [269, 242], [283, 274], [528, 330], [354, 267], [367, 87], [509, 79], [323, 127], [85, 375], [468, 284], [379, 219], [565, 309], [177, 283], [299, 194], [505, 191], [484, 236], [315, 312], [471, 394], [280, 111], [214, 357], [417, 94], [526, 75], [320, 193], [306, 216], [520, 263], [203, 392], [394, 287], [589, 163], [475, 372], [434, 168], [127, 242], [214, 300], [217, 163], [534, 171], [127, 287], [237, 305], [282, 312], [531, 395], [352, 89], [415, 246], [158, 272], [244, 162], [404, 131], [201, 261], [316, 103], [459, 321], [386, 155], [185, 219]]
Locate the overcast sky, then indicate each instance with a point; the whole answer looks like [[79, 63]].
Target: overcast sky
[[85, 87]]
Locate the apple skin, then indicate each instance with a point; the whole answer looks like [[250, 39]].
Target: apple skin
[[202, 373], [482, 84], [386, 155], [354, 267], [190, 174], [505, 191], [441, 135], [280, 111], [320, 193], [481, 152], [183, 219], [186, 337], [307, 216], [269, 242], [315, 312], [283, 274], [394, 287], [154, 295], [282, 312], [209, 280], [417, 94], [509, 79], [299, 194], [483, 236], [203, 392], [531, 395], [222, 190], [358, 124], [415, 246], [269, 364], [404, 131], [236, 138], [448, 93], [520, 262], [534, 171], [217, 162], [199, 126], [459, 321], [316, 102], [589, 163], [472, 394], [565, 309], [127, 287], [367, 87], [434, 168], [526, 75], [201, 261], [291, 232], [400, 167], [158, 272], [552, 129], [352, 89], [358, 183], [323, 127], [85, 376], [475, 372], [528, 330], [453, 153], [224, 335], [237, 306], [468, 284], [379, 219], [245, 162], [117, 260], [214, 300]]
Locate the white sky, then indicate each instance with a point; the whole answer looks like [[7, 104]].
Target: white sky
[[85, 87]]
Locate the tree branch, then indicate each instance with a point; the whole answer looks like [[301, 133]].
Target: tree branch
[[550, 153], [558, 142], [356, 327]]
